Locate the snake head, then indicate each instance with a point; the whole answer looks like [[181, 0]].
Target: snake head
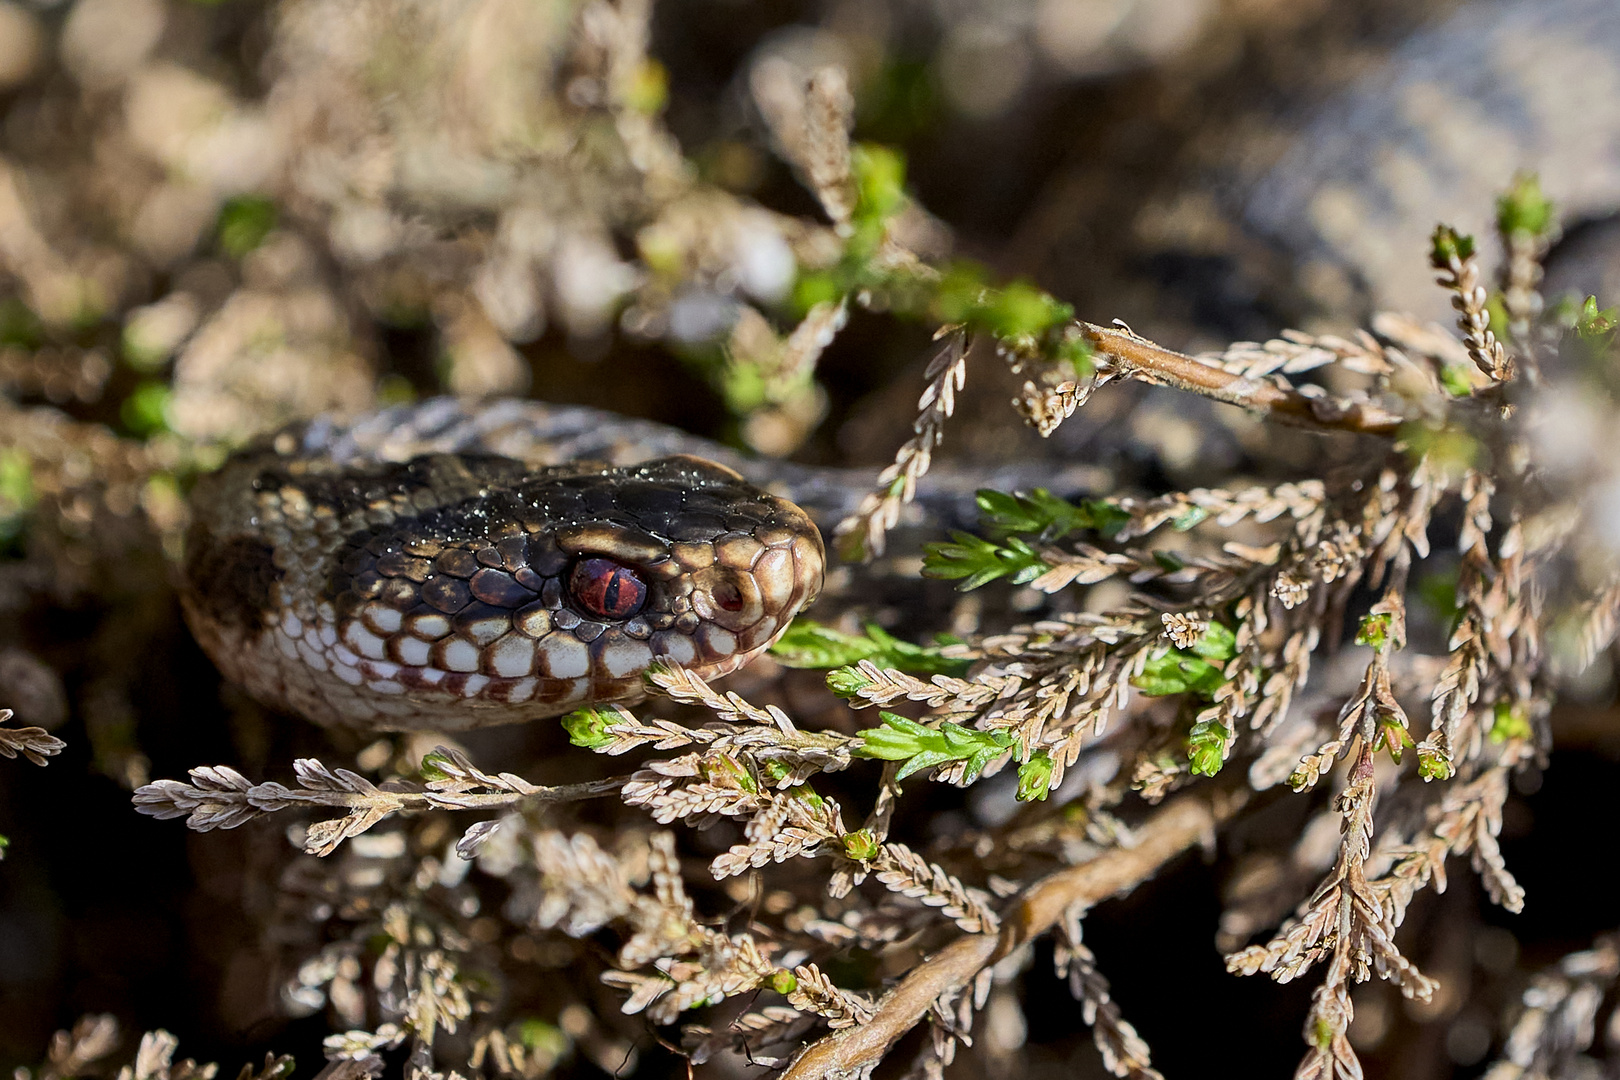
[[687, 565], [456, 592]]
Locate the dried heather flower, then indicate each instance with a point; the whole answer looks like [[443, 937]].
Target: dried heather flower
[[33, 743], [816, 993], [909, 874], [1452, 254], [1184, 628]]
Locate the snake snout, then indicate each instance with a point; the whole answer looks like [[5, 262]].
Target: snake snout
[[759, 581]]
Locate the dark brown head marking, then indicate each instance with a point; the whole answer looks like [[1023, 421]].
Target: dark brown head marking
[[237, 577]]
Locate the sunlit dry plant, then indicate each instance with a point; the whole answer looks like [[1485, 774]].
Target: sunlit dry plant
[[1237, 598], [790, 877], [33, 743]]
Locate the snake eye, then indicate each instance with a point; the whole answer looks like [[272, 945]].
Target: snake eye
[[604, 589]]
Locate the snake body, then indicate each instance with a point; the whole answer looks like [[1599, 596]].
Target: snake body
[[445, 567]]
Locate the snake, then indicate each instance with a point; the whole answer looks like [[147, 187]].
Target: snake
[[1434, 131], [444, 566]]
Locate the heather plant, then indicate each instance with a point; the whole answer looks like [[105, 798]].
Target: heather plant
[[1182, 698], [795, 872]]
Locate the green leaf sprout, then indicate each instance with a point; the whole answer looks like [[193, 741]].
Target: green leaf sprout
[[922, 747], [809, 644]]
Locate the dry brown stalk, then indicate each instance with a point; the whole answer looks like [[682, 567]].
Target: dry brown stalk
[[1179, 825], [1123, 354]]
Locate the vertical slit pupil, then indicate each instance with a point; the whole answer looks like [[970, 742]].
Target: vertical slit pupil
[[605, 589]]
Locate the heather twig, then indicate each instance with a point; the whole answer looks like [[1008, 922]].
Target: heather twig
[[1478, 596], [1121, 353], [1525, 222], [1173, 829], [219, 797], [34, 743], [811, 123], [1557, 1017], [1124, 1052], [1452, 255], [902, 870], [1344, 923], [1296, 353], [72, 1053], [865, 530]]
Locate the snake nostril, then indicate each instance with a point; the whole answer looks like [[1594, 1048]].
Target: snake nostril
[[604, 589], [727, 596]]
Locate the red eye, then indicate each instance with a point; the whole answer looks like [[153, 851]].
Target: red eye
[[604, 589]]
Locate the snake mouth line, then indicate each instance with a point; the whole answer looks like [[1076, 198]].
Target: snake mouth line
[[458, 594]]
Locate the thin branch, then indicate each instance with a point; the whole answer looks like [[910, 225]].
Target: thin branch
[[1122, 354], [863, 532], [1182, 823], [219, 797]]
